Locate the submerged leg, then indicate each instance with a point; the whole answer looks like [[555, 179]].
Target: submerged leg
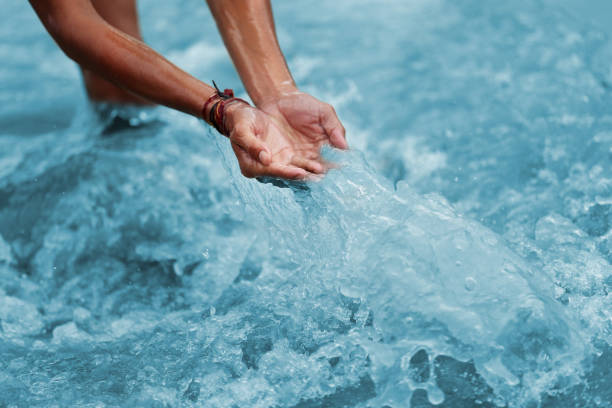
[[123, 15]]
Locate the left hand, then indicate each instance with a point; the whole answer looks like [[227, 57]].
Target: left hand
[[308, 117]]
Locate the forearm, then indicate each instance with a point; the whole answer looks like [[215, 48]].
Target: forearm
[[128, 63], [247, 28]]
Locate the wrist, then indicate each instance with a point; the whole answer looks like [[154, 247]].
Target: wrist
[[271, 94], [208, 107], [218, 107], [231, 114]]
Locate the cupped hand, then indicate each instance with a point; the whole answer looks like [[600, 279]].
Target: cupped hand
[[308, 117], [264, 146]]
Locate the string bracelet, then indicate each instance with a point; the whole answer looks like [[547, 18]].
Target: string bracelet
[[219, 102]]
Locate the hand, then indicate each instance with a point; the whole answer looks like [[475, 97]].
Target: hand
[[265, 146], [308, 117]]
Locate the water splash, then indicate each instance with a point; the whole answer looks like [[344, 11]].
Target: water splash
[[425, 275]]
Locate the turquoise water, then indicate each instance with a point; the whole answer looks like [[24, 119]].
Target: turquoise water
[[460, 257]]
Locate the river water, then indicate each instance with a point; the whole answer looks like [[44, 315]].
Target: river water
[[459, 257]]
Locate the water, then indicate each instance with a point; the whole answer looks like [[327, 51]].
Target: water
[[460, 257]]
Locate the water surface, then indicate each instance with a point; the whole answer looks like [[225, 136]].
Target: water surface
[[460, 257]]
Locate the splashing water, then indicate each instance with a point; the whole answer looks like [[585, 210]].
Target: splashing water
[[467, 265]]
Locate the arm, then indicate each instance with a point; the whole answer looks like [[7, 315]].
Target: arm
[[247, 28], [126, 62], [261, 147]]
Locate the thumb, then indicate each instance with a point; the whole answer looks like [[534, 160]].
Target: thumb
[[245, 137], [333, 127]]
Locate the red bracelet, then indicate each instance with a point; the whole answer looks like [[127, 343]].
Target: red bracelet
[[217, 114], [214, 97], [220, 101]]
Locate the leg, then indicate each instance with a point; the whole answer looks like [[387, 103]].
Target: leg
[[123, 15]]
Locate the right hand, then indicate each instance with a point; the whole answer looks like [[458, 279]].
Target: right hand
[[264, 147]]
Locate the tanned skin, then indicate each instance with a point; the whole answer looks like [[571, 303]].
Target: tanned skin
[[280, 137]]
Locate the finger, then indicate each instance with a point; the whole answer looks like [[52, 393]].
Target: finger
[[313, 166], [246, 139], [287, 171], [252, 168], [333, 127]]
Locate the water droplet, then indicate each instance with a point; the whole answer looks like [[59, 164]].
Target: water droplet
[[470, 283], [205, 253]]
